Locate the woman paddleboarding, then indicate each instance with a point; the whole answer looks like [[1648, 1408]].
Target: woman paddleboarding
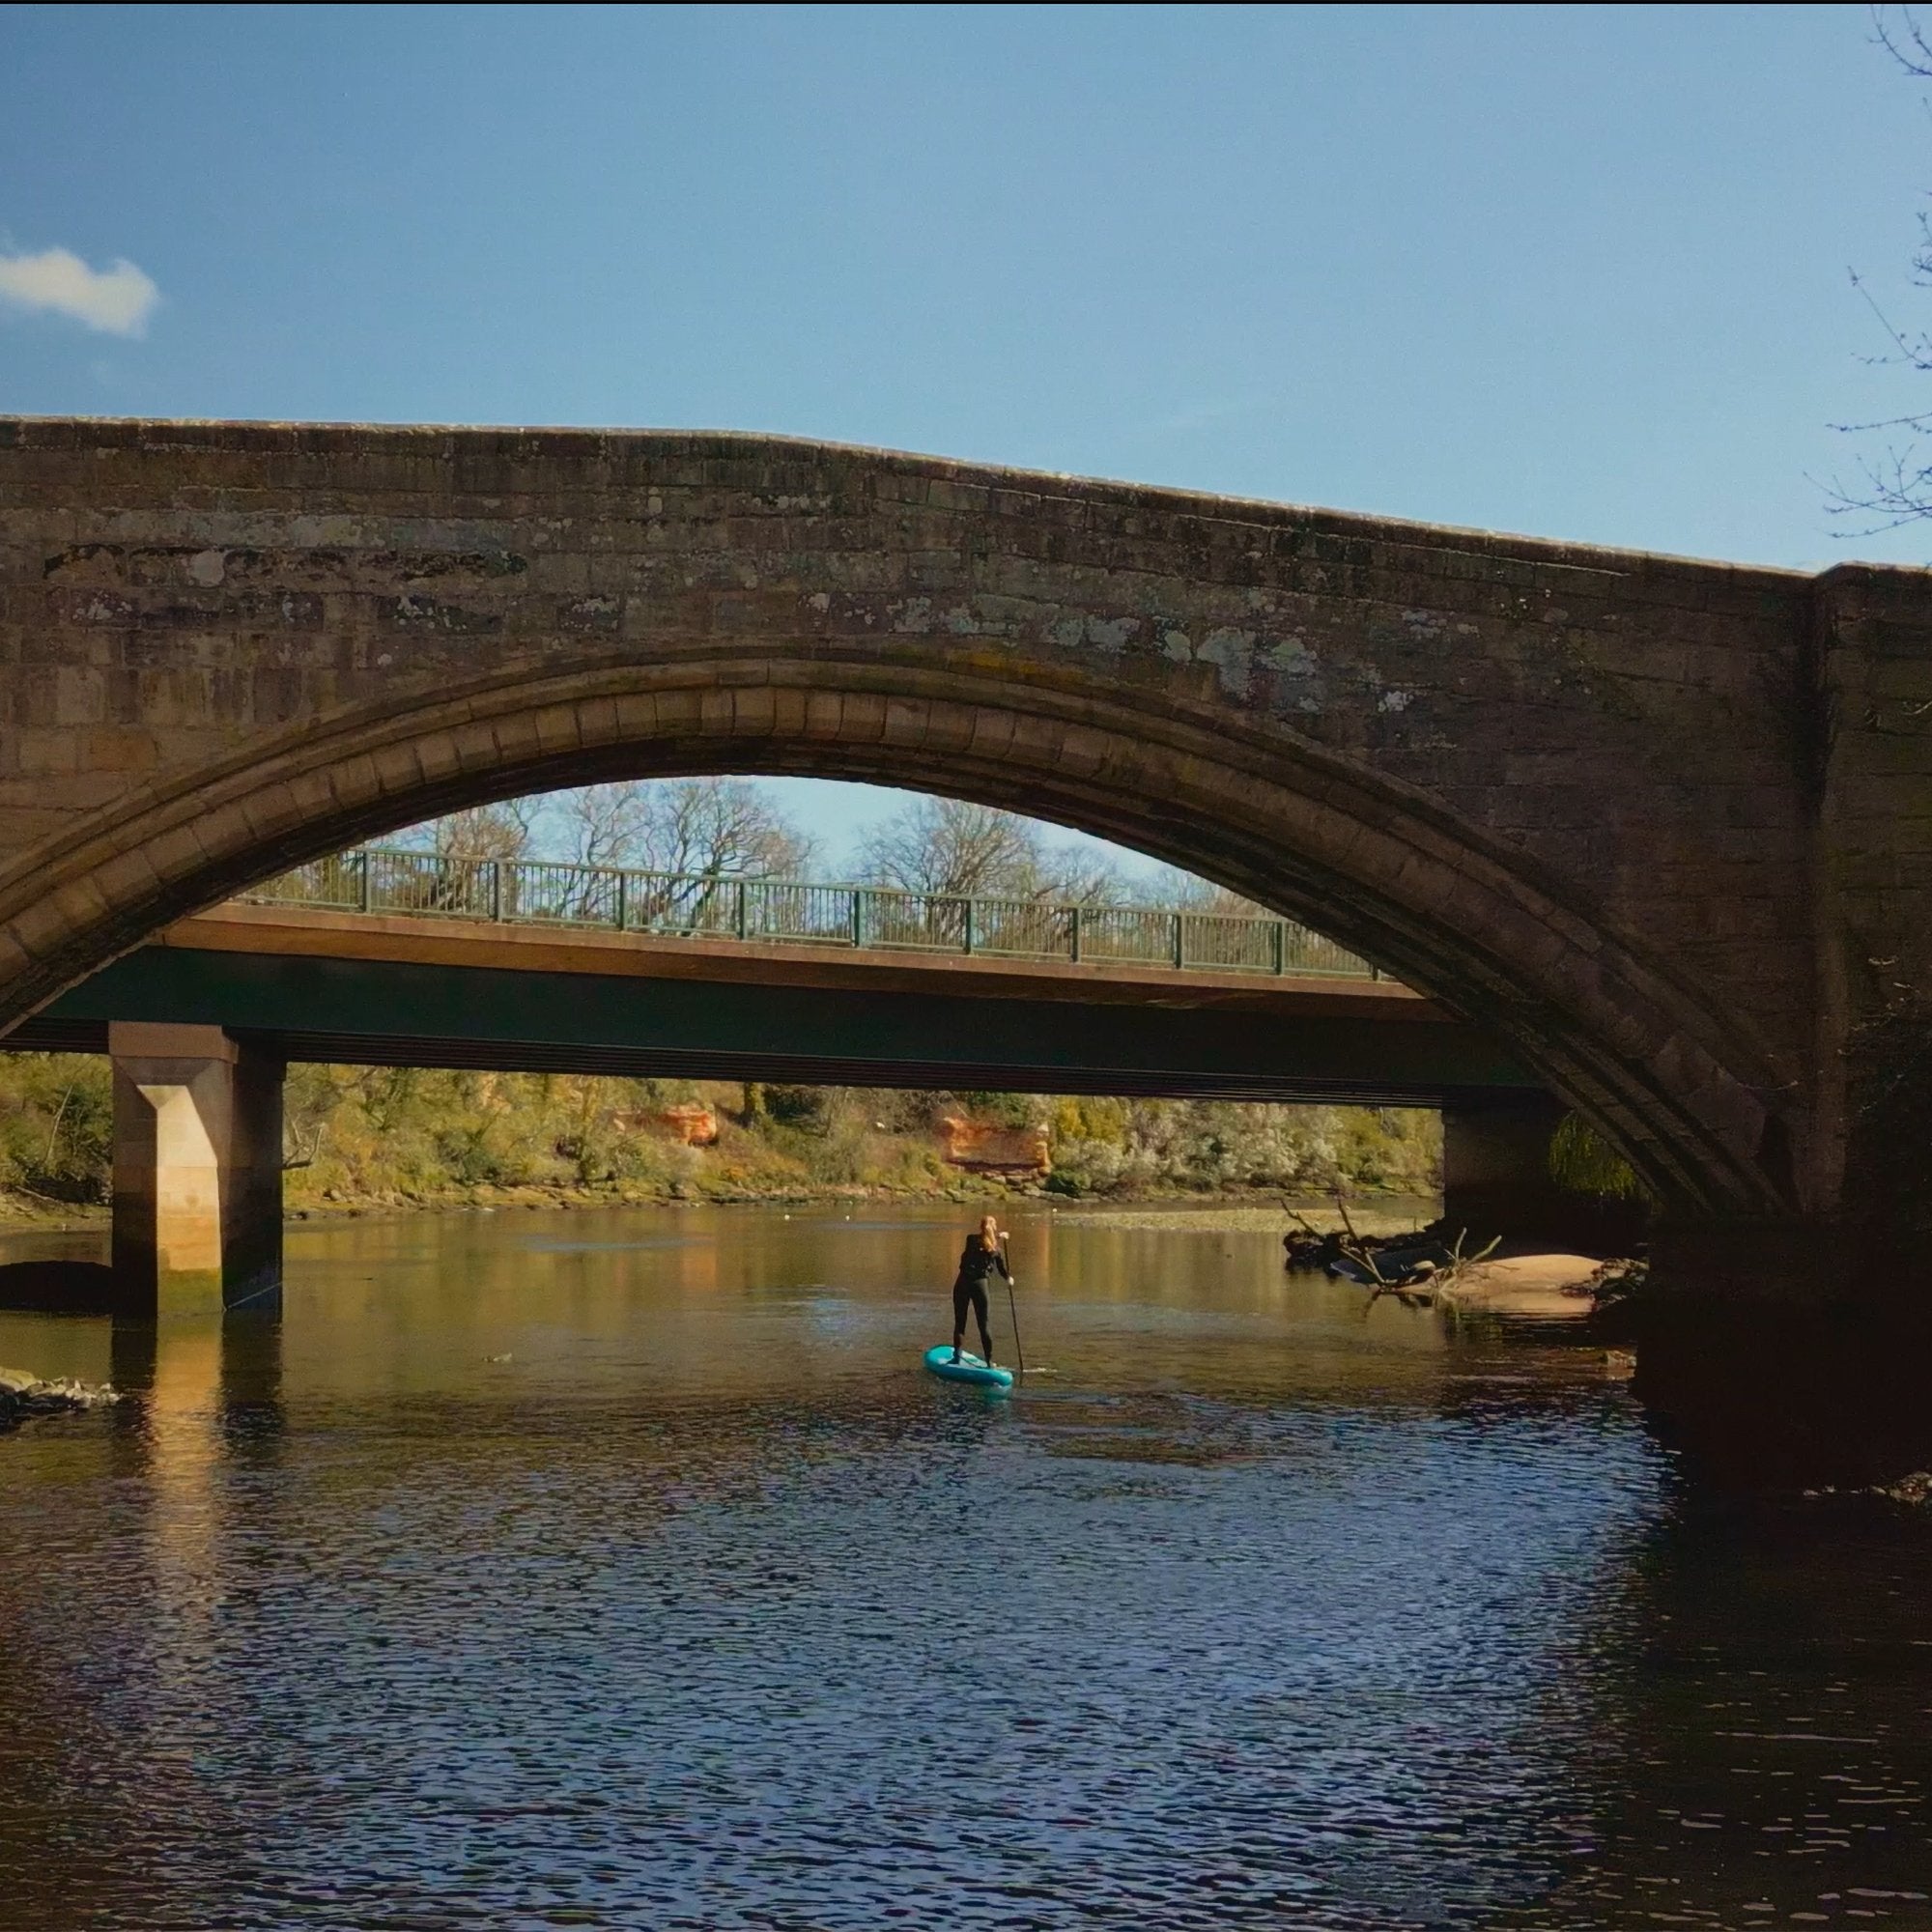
[[978, 1260]]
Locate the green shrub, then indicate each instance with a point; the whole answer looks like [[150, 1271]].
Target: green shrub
[[808, 1109], [57, 1126], [1582, 1162], [433, 1133]]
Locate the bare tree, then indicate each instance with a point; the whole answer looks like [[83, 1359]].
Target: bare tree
[[705, 833], [710, 829], [718, 829], [500, 831], [1075, 876], [1187, 892], [721, 828], [1894, 485], [460, 843], [947, 847], [599, 825]]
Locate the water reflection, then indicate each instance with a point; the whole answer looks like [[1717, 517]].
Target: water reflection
[[623, 1571], [1773, 1774]]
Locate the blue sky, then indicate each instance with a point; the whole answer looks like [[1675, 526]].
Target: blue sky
[[1581, 273]]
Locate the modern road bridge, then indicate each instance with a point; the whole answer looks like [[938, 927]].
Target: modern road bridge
[[408, 958], [400, 957]]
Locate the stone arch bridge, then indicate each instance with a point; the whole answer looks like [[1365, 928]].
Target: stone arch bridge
[[1663, 826]]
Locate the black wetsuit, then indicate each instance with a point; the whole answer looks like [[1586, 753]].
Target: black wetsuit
[[977, 1260]]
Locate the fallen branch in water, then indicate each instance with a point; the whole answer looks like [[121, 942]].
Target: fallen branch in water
[[1412, 1266], [1424, 1279]]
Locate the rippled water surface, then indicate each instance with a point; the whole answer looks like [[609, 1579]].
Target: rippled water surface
[[622, 1569]]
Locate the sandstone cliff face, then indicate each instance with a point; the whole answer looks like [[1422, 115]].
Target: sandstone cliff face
[[981, 1149], [688, 1121]]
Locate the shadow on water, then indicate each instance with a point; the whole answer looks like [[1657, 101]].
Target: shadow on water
[[624, 1570], [55, 1285]]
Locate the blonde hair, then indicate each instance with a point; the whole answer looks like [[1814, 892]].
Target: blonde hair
[[989, 1230]]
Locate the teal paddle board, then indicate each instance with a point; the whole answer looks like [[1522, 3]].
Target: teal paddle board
[[967, 1369]]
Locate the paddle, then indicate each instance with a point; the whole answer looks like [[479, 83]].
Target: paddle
[[1013, 1306]]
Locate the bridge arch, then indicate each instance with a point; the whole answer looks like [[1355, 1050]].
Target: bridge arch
[[1366, 857]]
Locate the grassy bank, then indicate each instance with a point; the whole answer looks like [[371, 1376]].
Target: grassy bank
[[364, 1138]]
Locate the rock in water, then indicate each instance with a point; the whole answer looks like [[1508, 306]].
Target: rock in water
[[24, 1396], [1915, 1487]]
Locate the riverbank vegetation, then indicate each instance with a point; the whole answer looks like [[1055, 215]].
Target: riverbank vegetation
[[375, 1137]]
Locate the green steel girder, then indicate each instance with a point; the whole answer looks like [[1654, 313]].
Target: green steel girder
[[376, 1012]]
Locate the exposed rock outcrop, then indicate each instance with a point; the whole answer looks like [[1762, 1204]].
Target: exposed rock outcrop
[[688, 1121], [981, 1149]]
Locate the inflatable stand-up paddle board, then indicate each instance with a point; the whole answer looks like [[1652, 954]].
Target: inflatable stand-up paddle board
[[967, 1369]]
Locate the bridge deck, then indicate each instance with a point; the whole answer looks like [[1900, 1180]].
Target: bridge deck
[[341, 987], [309, 932]]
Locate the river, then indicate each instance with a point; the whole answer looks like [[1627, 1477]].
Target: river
[[623, 1570]]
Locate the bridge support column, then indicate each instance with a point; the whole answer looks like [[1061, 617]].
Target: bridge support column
[[197, 1171], [1496, 1177]]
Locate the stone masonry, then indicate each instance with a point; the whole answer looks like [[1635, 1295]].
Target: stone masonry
[[1666, 826]]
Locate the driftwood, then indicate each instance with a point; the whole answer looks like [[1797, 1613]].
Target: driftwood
[[1413, 1267]]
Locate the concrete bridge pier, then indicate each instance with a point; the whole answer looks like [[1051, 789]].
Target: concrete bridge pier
[[197, 1171]]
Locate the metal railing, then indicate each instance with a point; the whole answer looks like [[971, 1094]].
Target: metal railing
[[687, 906]]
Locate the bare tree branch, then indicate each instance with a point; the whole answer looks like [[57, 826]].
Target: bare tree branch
[[947, 847], [1905, 44], [1170, 885], [1894, 487], [500, 831]]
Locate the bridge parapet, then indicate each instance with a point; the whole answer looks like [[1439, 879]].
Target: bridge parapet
[[391, 880]]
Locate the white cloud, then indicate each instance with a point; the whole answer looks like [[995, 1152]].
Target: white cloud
[[116, 301]]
